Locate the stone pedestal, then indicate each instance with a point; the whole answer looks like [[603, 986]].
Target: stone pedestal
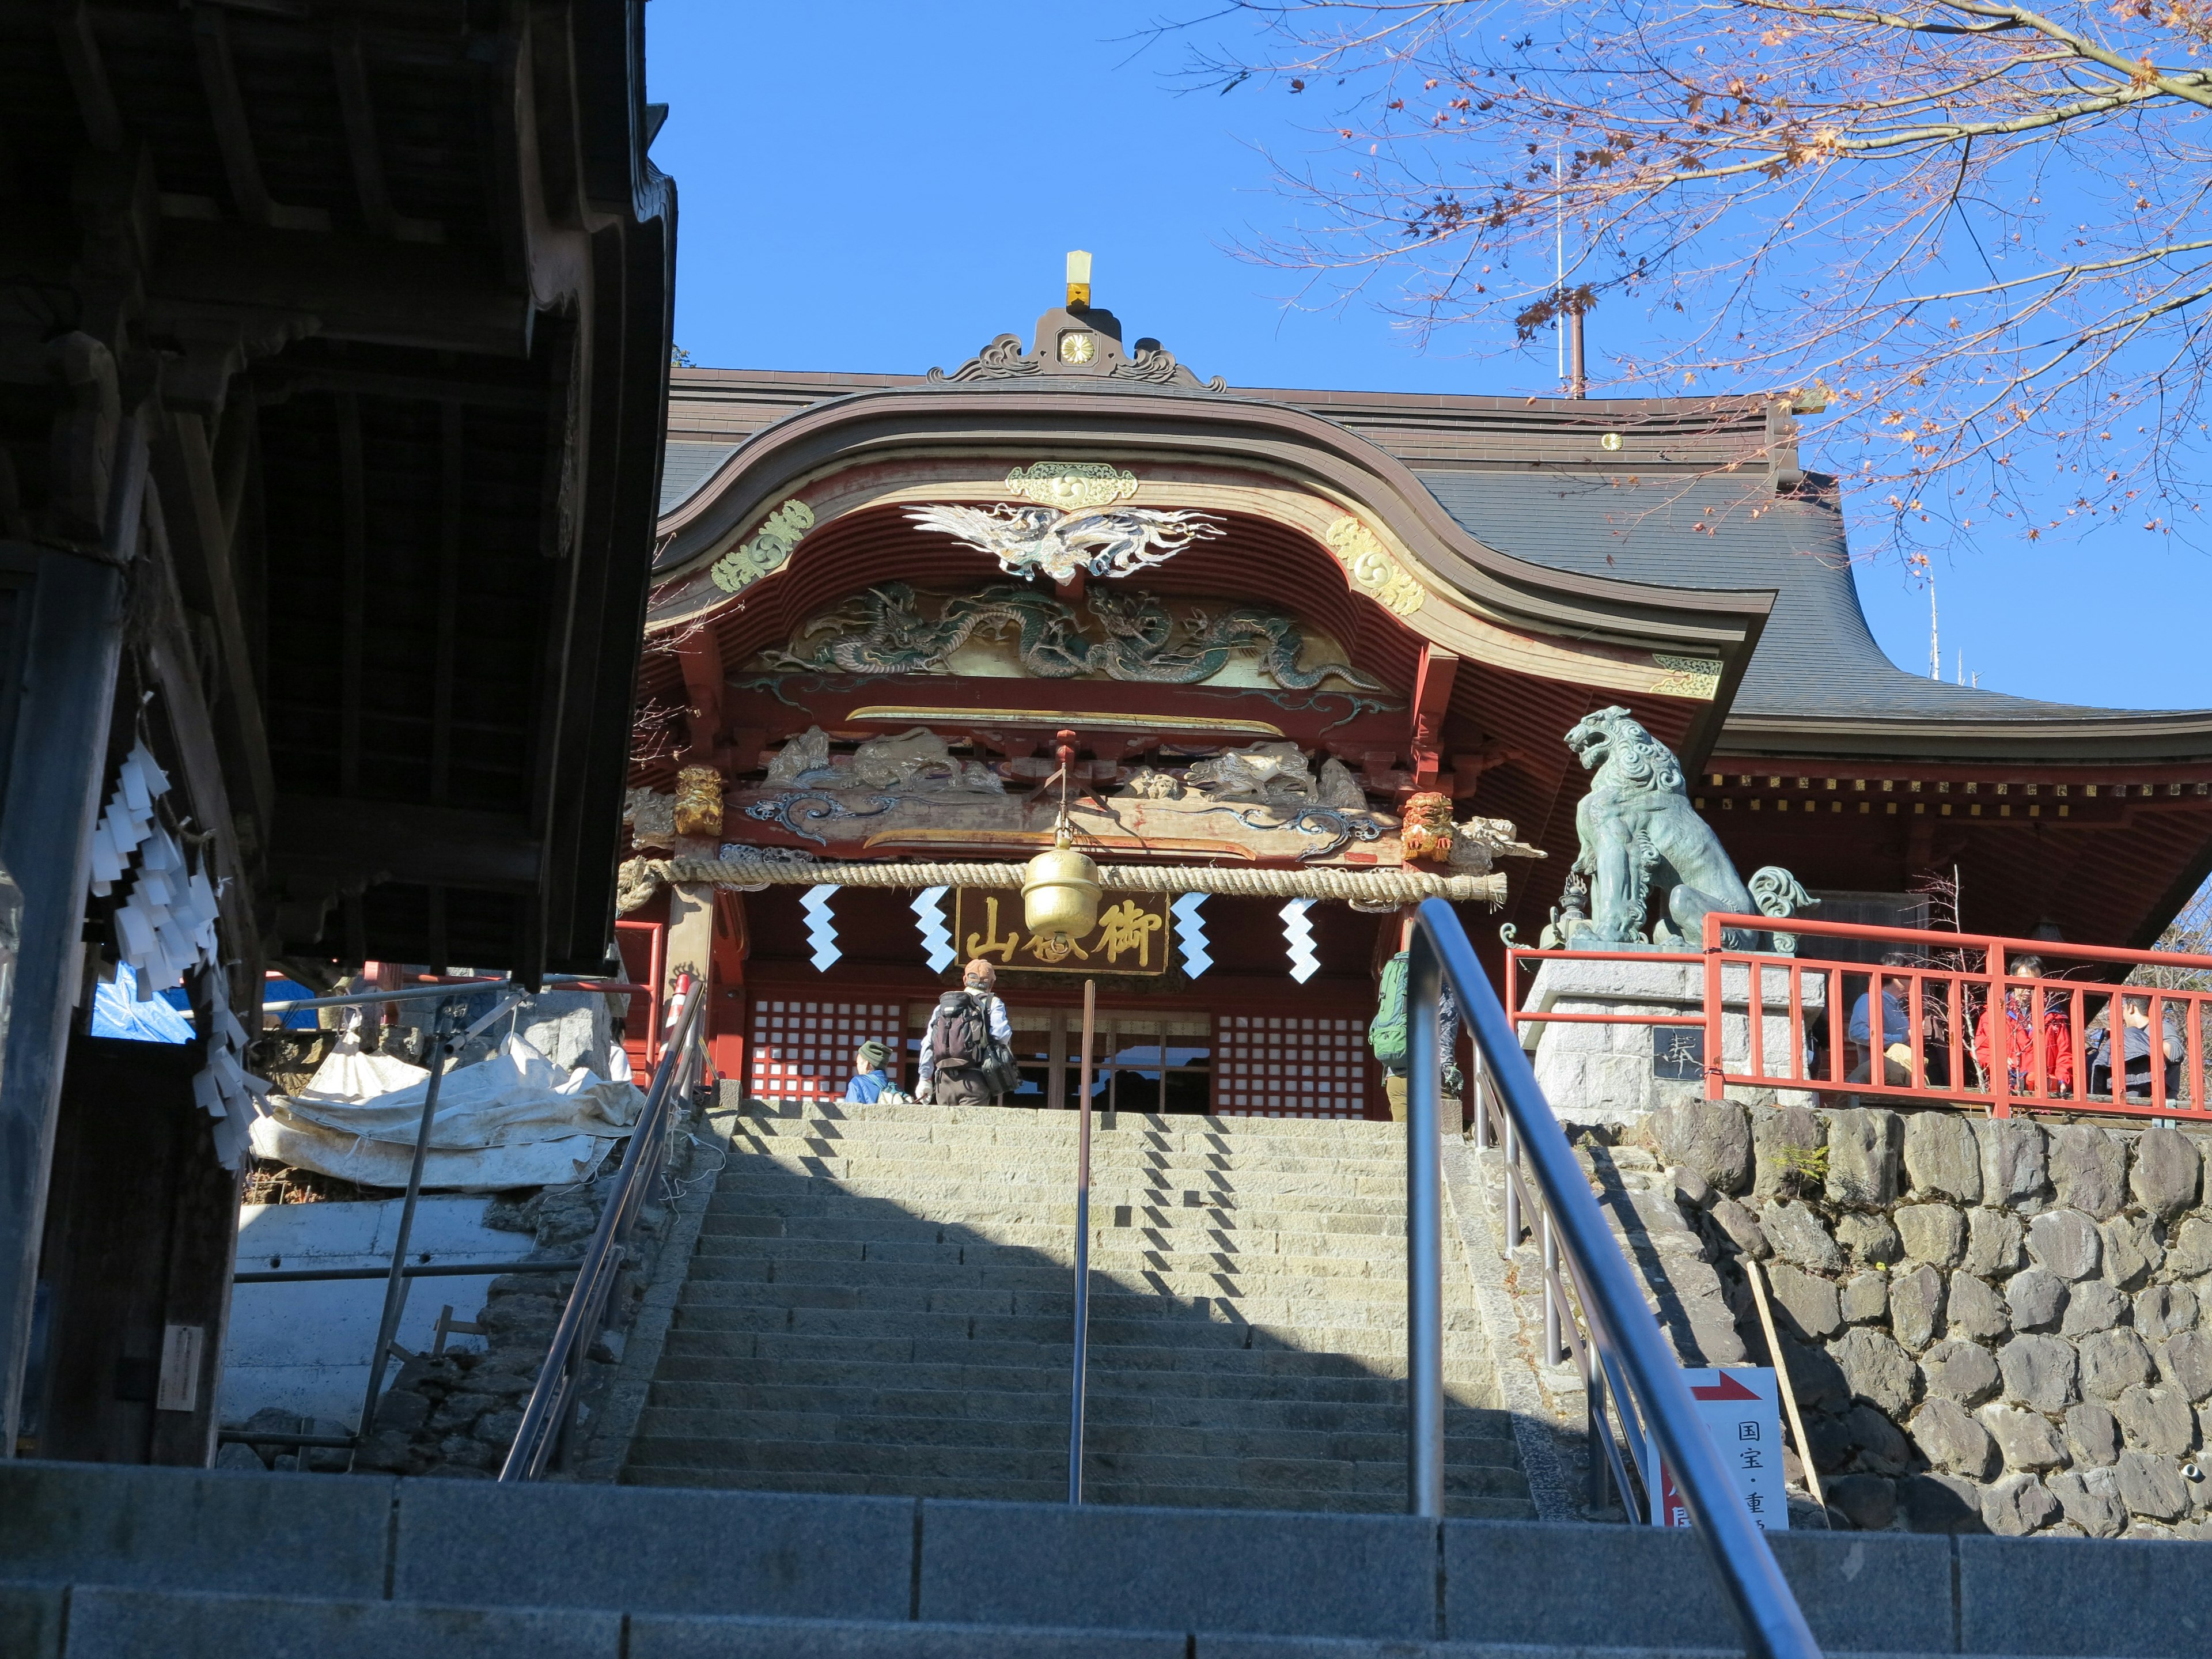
[[1606, 1074]]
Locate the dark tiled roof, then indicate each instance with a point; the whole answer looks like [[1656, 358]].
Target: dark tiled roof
[[1817, 655], [685, 467]]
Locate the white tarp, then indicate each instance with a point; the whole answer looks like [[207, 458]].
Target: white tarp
[[513, 1119]]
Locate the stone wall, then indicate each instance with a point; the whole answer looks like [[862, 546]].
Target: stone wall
[[1999, 1325]]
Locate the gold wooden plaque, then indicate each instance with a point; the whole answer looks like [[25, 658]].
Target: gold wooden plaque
[[1134, 934]]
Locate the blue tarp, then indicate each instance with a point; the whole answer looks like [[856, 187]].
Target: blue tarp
[[117, 1011]]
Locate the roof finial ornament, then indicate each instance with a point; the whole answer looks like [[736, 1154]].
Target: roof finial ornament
[[1078, 340]]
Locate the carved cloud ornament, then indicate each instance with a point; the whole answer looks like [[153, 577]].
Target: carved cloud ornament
[[1686, 677], [768, 551], [1046, 541], [1068, 485], [1372, 570]]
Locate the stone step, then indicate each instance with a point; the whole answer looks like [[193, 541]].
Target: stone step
[[1046, 1395], [1102, 1491], [1133, 1390], [1352, 1235], [931, 1187], [1471, 1370], [1280, 1476], [1341, 1336], [879, 1301], [1276, 1306], [976, 1202], [1361, 1276], [1056, 1155], [1046, 1430], [817, 1155], [1153, 1125], [110, 1561]]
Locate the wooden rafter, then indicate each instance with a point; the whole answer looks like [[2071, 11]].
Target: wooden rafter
[[233, 136], [200, 538], [358, 113], [353, 515], [453, 498], [87, 75]]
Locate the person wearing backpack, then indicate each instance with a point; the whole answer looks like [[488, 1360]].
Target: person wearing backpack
[[967, 1054], [1387, 1035]]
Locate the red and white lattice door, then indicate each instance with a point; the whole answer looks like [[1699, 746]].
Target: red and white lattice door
[[803, 1050], [1286, 1065]]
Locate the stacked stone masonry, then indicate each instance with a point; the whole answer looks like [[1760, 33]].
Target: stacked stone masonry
[[1991, 1324]]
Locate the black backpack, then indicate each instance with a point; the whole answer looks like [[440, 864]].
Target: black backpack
[[960, 1036]]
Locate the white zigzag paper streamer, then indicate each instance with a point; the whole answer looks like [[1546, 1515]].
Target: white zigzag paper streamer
[[1190, 934], [820, 926], [1297, 934], [936, 937]]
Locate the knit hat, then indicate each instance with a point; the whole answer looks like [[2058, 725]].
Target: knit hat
[[871, 1055]]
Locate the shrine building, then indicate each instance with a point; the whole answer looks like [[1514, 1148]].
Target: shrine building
[[1281, 624]]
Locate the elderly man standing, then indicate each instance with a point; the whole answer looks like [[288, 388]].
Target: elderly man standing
[[967, 1054]]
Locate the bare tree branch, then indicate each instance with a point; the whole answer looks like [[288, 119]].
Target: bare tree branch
[[1975, 229]]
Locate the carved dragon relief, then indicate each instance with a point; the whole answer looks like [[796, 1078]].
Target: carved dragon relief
[[889, 629]]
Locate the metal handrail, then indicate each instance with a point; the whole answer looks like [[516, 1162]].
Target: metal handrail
[[1080, 1362], [553, 1398], [1644, 1372]]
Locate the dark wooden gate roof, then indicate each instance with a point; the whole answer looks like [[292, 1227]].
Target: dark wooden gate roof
[[388, 284]]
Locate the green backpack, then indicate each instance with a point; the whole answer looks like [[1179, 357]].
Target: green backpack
[[1387, 1035]]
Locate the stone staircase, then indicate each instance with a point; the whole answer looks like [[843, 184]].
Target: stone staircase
[[880, 1301]]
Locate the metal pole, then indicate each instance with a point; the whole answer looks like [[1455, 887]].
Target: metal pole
[[1551, 1297], [1594, 1427], [1512, 1192], [1424, 1302], [1480, 1096], [1082, 1252], [395, 1285]]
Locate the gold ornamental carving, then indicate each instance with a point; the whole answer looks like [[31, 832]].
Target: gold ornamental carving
[[768, 551], [1686, 677], [1069, 485], [1372, 570]]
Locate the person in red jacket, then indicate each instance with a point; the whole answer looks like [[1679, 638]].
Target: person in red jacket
[[2023, 1032]]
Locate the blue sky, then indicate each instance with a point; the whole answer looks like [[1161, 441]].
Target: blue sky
[[885, 186]]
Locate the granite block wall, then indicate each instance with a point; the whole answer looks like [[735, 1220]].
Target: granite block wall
[[1991, 1325]]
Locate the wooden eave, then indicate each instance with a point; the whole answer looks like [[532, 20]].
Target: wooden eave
[[1029, 419]]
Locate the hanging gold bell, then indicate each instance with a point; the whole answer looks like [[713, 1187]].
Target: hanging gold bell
[[1059, 893]]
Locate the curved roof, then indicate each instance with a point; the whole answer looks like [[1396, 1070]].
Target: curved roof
[[1681, 497], [1817, 655]]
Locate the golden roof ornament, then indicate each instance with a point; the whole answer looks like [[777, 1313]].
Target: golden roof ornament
[[1078, 341]]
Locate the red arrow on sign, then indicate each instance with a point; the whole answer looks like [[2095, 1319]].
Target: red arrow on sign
[[1727, 1389]]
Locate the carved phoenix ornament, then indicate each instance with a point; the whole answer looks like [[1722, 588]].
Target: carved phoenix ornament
[[1111, 542]]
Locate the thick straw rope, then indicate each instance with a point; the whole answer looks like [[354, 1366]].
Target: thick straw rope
[[641, 877]]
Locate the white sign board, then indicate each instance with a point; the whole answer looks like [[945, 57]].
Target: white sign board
[[1741, 1409]]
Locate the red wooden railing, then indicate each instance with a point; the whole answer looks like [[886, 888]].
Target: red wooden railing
[[1954, 1054]]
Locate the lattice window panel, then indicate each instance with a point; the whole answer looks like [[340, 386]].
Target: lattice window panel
[[803, 1050], [1289, 1065]]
